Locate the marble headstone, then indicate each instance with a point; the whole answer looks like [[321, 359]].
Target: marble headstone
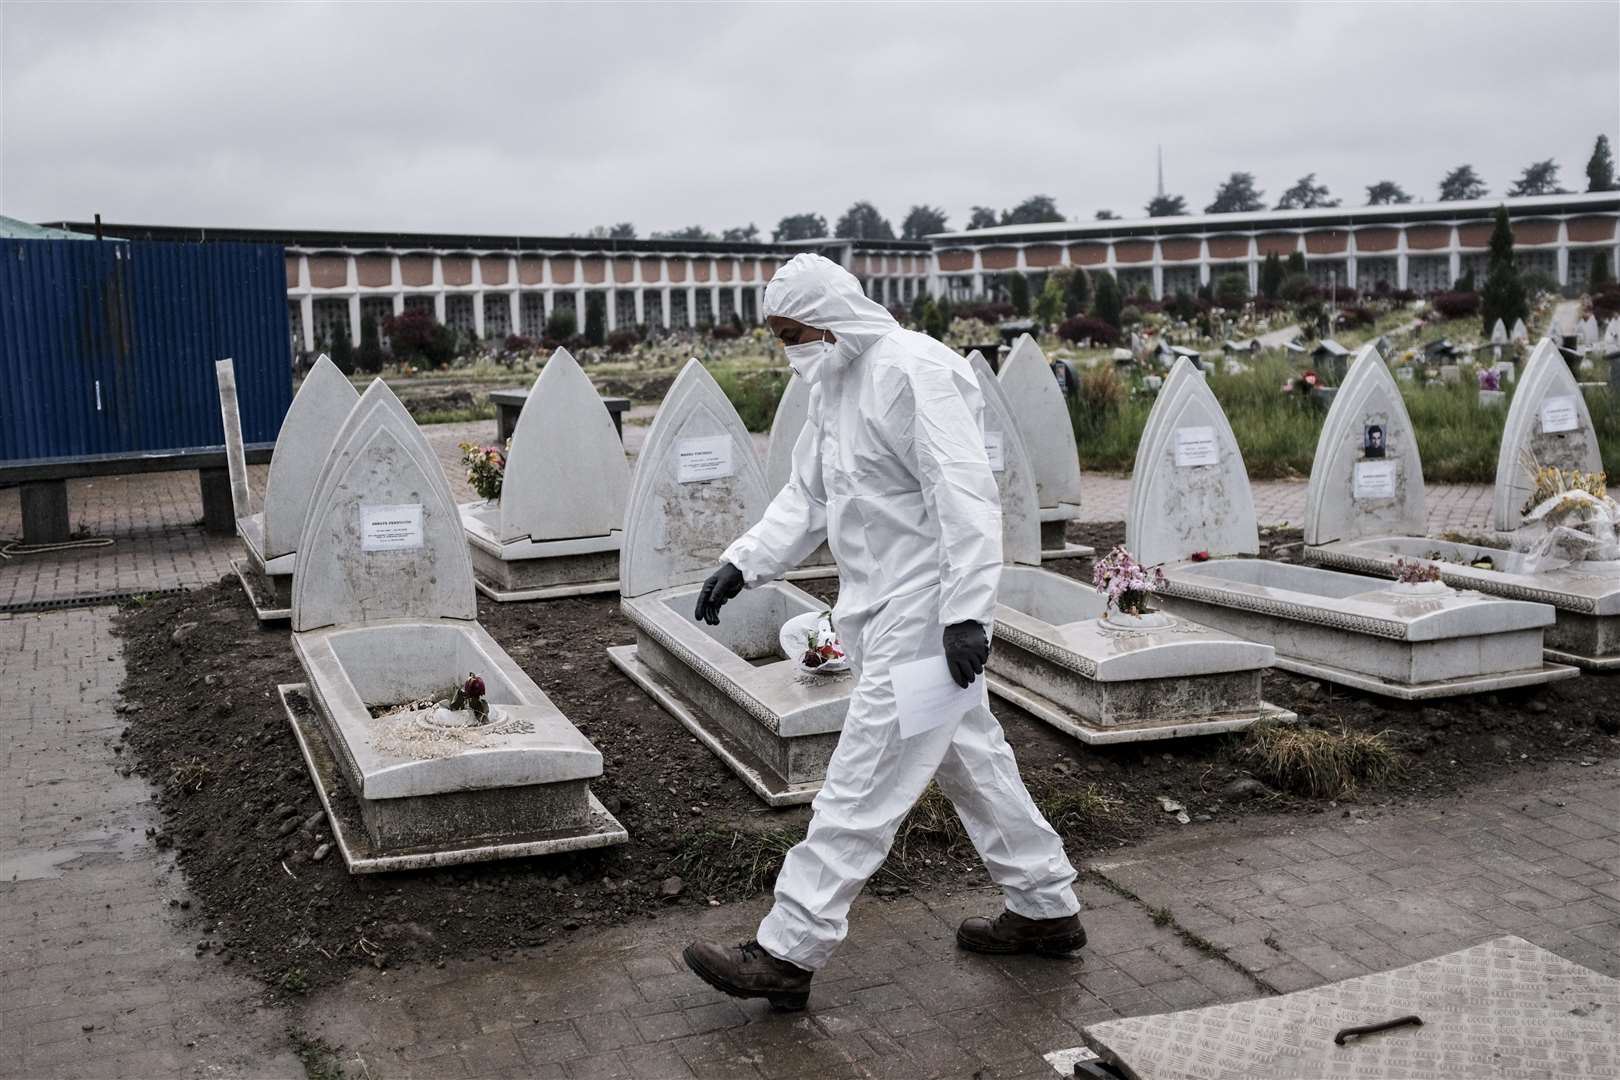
[[1366, 477], [1189, 489], [1547, 424], [383, 538], [1587, 333], [566, 475], [1043, 420], [1611, 332], [1499, 334], [318, 410], [231, 420], [1519, 333], [1014, 471], [698, 486], [791, 413]]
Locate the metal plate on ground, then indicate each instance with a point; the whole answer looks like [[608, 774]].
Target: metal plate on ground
[[1505, 1008]]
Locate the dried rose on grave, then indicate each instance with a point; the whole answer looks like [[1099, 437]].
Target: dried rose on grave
[[470, 696], [1126, 583], [1414, 572]]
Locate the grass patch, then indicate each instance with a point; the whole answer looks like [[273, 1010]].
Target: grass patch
[[486, 411], [1161, 916], [754, 393], [1318, 763], [1457, 437], [319, 1057]]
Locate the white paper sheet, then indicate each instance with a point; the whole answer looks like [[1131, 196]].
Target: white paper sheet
[[1558, 414], [391, 528], [927, 697], [706, 457], [1196, 446], [1373, 480], [994, 451]]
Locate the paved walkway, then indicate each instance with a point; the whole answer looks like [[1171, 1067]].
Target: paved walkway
[[100, 974], [158, 543]]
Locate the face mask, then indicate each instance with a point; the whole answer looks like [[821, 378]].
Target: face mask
[[806, 359]]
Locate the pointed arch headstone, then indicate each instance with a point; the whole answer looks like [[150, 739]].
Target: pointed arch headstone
[[1358, 489], [383, 538], [566, 475], [1043, 420], [1499, 334], [791, 413], [1189, 488], [698, 486], [1014, 471], [1519, 333], [318, 410], [1548, 424]]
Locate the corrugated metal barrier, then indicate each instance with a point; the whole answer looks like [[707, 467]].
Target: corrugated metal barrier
[[107, 347]]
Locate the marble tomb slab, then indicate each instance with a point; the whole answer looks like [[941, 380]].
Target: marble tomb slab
[[384, 614], [1365, 513], [1043, 420], [270, 538], [1100, 678], [1547, 423], [698, 486], [556, 528]]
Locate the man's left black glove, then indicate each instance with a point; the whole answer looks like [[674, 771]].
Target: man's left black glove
[[721, 586], [966, 650]]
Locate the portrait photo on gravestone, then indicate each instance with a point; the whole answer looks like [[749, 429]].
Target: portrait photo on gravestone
[[688, 541]]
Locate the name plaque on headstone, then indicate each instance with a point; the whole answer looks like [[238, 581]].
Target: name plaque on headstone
[[1196, 446], [391, 528], [1559, 414], [704, 458], [1373, 480], [993, 450]]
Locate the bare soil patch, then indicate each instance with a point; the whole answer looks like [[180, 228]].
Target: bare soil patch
[[205, 726]]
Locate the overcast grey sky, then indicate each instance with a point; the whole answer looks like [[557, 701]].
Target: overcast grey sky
[[549, 118]]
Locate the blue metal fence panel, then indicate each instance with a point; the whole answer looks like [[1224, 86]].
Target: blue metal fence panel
[[110, 347]]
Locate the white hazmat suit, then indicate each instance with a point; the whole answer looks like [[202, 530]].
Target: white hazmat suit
[[890, 469]]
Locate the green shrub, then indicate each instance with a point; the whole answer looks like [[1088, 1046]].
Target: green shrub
[[561, 325], [754, 394]]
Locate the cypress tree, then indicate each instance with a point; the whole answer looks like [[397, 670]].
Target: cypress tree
[[1105, 300], [1599, 273], [595, 318], [1079, 292], [1271, 276], [1018, 293], [1503, 297]]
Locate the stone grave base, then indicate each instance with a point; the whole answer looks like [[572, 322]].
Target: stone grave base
[[538, 570], [1054, 542], [762, 759], [1145, 730], [268, 584], [358, 825], [1501, 1008], [1407, 670], [1579, 637]]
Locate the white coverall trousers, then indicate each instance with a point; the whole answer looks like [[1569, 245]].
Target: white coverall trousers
[[875, 777]]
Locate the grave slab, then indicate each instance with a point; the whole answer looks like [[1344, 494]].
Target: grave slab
[[555, 530], [1043, 420], [1365, 524], [384, 624], [1400, 641], [698, 486], [1098, 677]]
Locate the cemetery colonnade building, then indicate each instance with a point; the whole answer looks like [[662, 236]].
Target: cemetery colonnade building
[[489, 286]]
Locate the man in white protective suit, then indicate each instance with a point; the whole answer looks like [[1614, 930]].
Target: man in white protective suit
[[891, 471]]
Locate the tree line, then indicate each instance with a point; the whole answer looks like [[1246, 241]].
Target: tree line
[[1237, 194]]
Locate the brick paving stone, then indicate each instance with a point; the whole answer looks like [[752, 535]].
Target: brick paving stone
[[86, 922]]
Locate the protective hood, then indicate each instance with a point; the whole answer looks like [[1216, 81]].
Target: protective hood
[[818, 292]]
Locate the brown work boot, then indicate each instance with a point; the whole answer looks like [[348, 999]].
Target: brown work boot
[[748, 971], [1012, 933]]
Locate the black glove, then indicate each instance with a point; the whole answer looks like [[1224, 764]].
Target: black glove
[[966, 650], [722, 585]]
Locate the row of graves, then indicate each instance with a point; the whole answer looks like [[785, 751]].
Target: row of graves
[[430, 746]]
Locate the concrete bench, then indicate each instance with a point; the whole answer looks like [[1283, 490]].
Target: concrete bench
[[508, 403], [44, 484]]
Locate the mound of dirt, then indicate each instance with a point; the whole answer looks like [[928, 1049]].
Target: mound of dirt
[[206, 727]]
